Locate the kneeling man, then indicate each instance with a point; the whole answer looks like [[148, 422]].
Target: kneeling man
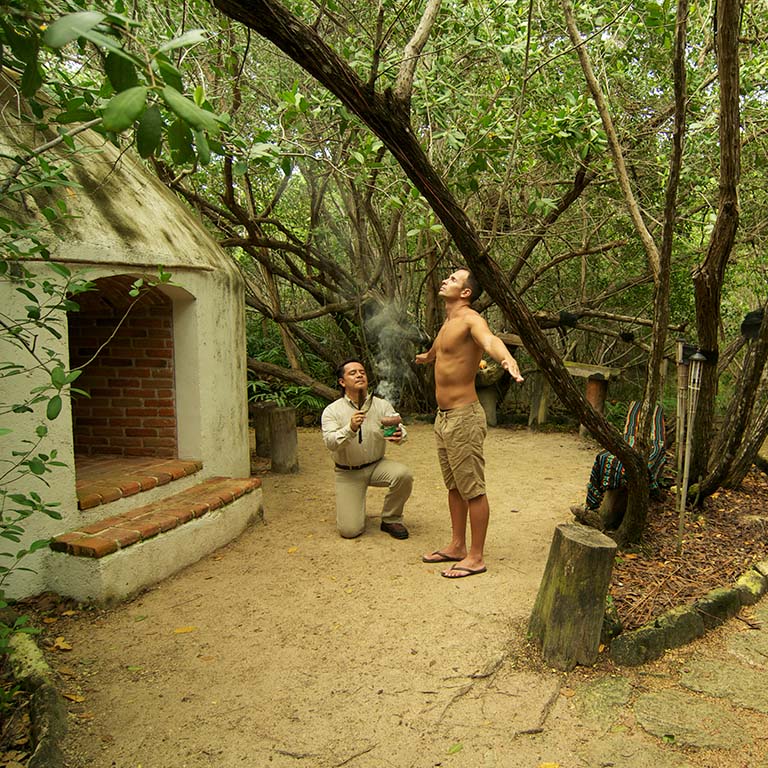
[[353, 432]]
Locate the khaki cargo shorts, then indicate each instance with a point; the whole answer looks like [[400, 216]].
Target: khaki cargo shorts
[[459, 433]]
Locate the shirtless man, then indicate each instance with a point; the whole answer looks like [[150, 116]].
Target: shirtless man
[[460, 425]]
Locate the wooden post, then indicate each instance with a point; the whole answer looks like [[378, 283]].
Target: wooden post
[[260, 415], [539, 408], [596, 392], [284, 441], [568, 614], [487, 397]]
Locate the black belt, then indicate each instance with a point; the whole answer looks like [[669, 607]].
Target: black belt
[[359, 466]]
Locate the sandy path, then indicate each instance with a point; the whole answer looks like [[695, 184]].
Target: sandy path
[[298, 648]]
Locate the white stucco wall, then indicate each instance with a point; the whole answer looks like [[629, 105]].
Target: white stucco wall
[[125, 222], [55, 486]]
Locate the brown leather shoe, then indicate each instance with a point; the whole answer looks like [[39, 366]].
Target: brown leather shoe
[[395, 530]]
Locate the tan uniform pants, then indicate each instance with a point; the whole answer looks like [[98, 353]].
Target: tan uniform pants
[[352, 486]]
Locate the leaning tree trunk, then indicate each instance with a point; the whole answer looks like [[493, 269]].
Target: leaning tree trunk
[[737, 430], [387, 116], [748, 450], [296, 377], [708, 278]]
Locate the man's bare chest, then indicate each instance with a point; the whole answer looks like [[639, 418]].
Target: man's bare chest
[[453, 337]]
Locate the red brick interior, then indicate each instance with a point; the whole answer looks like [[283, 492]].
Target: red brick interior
[[131, 410]]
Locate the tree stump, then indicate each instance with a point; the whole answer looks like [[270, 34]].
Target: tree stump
[[260, 416], [284, 441], [487, 397], [568, 614]]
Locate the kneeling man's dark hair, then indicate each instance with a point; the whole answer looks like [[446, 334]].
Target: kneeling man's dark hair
[[343, 365]]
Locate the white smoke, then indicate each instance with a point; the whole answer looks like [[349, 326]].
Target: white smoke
[[393, 340]]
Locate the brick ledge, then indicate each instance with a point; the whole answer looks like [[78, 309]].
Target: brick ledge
[[120, 531]]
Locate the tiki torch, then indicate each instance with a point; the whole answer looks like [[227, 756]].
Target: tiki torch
[[682, 387], [694, 387]]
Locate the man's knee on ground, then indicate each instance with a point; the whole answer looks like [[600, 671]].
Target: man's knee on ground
[[349, 532]]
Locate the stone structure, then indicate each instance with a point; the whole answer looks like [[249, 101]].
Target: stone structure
[[166, 374]]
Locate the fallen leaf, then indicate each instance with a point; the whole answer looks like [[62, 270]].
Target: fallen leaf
[[66, 671], [50, 620], [549, 765], [60, 644], [86, 716], [134, 669], [141, 618], [567, 692], [183, 630], [291, 550], [453, 749], [70, 612], [74, 697]]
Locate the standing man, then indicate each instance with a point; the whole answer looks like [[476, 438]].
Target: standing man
[[352, 432], [460, 425]]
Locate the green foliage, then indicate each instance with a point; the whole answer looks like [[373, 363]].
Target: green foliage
[[138, 88], [264, 344]]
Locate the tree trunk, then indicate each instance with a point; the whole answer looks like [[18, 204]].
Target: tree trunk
[[296, 377], [736, 427], [568, 614], [708, 278], [748, 450]]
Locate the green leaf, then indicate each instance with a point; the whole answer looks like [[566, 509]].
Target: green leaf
[[123, 109], [120, 71], [31, 80], [149, 132], [74, 116], [70, 27], [203, 150], [188, 111], [180, 142], [192, 37], [452, 750], [54, 408], [168, 72], [5, 431], [58, 377], [36, 466], [59, 269]]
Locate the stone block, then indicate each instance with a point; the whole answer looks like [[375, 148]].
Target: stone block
[[751, 587], [717, 606], [680, 625], [631, 649]]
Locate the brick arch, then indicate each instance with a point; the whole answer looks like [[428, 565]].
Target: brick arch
[[127, 348]]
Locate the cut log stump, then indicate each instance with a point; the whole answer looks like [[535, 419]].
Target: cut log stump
[[260, 415], [568, 614], [284, 441]]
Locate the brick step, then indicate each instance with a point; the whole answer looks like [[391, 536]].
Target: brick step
[[103, 480], [120, 531], [111, 559]]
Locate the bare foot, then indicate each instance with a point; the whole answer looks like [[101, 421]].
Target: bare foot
[[447, 555], [463, 569]]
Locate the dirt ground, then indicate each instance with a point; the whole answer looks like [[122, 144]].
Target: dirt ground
[[293, 647]]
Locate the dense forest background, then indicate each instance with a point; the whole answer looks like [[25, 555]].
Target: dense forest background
[[600, 167]]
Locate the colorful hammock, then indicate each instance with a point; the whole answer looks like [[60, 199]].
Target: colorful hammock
[[608, 472]]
